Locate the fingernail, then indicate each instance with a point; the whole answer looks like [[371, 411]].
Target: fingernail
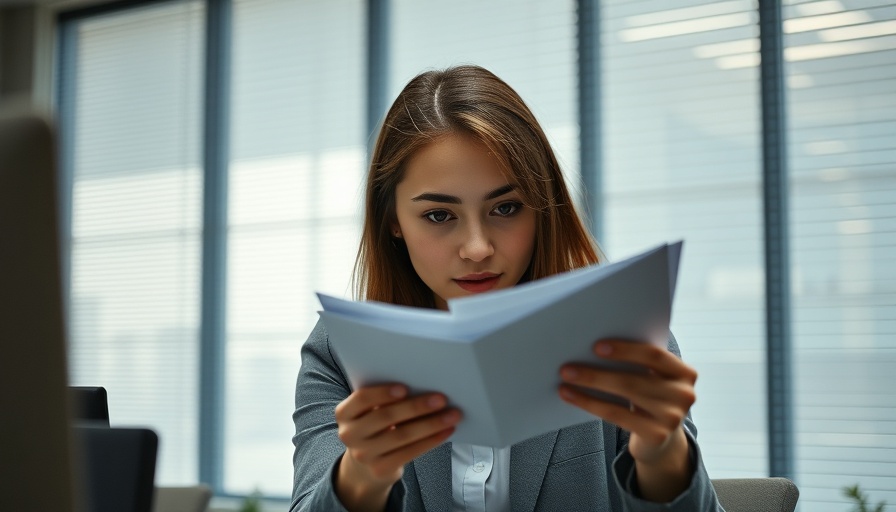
[[449, 418], [397, 391], [569, 373], [603, 349], [435, 402]]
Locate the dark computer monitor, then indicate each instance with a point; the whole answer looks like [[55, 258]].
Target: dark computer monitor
[[90, 405]]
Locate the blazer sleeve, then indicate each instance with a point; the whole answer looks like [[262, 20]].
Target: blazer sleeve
[[321, 385], [700, 494]]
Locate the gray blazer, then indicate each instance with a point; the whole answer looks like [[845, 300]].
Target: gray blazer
[[584, 467]]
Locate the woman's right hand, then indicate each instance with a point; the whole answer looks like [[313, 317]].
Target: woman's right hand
[[383, 429]]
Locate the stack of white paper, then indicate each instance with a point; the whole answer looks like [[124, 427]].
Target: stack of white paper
[[497, 355]]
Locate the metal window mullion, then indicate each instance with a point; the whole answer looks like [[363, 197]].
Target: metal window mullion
[[777, 274], [66, 92], [216, 128], [377, 67], [589, 89]]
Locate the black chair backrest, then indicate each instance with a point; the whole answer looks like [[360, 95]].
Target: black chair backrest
[[118, 467]]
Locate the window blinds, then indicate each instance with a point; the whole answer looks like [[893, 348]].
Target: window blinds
[[682, 160], [136, 204], [841, 70], [297, 166]]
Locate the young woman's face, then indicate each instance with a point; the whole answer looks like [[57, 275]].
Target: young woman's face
[[464, 224]]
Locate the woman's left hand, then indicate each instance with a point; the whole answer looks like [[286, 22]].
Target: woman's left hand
[[659, 399]]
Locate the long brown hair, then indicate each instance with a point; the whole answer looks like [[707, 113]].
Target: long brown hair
[[473, 101]]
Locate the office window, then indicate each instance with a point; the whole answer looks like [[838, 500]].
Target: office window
[[136, 220], [297, 165], [531, 45], [841, 70], [682, 161]]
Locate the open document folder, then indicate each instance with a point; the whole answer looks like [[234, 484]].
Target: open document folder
[[497, 355]]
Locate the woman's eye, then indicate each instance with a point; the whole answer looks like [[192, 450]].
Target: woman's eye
[[438, 216], [507, 209]]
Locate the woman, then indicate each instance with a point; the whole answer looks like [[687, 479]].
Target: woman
[[464, 195]]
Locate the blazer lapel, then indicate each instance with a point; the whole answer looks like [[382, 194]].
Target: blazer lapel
[[528, 464], [433, 470]]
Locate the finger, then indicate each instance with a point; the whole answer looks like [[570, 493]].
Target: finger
[[667, 414], [412, 431], [634, 421], [390, 461], [387, 416], [632, 386], [405, 434], [364, 399], [655, 358]]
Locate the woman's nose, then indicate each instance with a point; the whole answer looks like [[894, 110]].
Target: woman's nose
[[477, 244]]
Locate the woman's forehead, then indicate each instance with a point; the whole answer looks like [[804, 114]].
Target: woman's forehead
[[457, 162]]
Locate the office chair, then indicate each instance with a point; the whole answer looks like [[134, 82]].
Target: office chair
[[91, 409], [117, 467], [756, 494]]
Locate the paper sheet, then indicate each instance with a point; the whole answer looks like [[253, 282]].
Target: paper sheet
[[496, 355]]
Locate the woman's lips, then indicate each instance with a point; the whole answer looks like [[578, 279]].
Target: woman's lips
[[478, 284]]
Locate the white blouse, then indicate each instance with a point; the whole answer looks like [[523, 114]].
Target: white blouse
[[480, 478]]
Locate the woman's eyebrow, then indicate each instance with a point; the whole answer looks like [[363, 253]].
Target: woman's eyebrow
[[437, 198], [445, 198], [498, 192]]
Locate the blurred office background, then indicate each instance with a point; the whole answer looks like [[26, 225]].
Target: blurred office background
[[213, 158]]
